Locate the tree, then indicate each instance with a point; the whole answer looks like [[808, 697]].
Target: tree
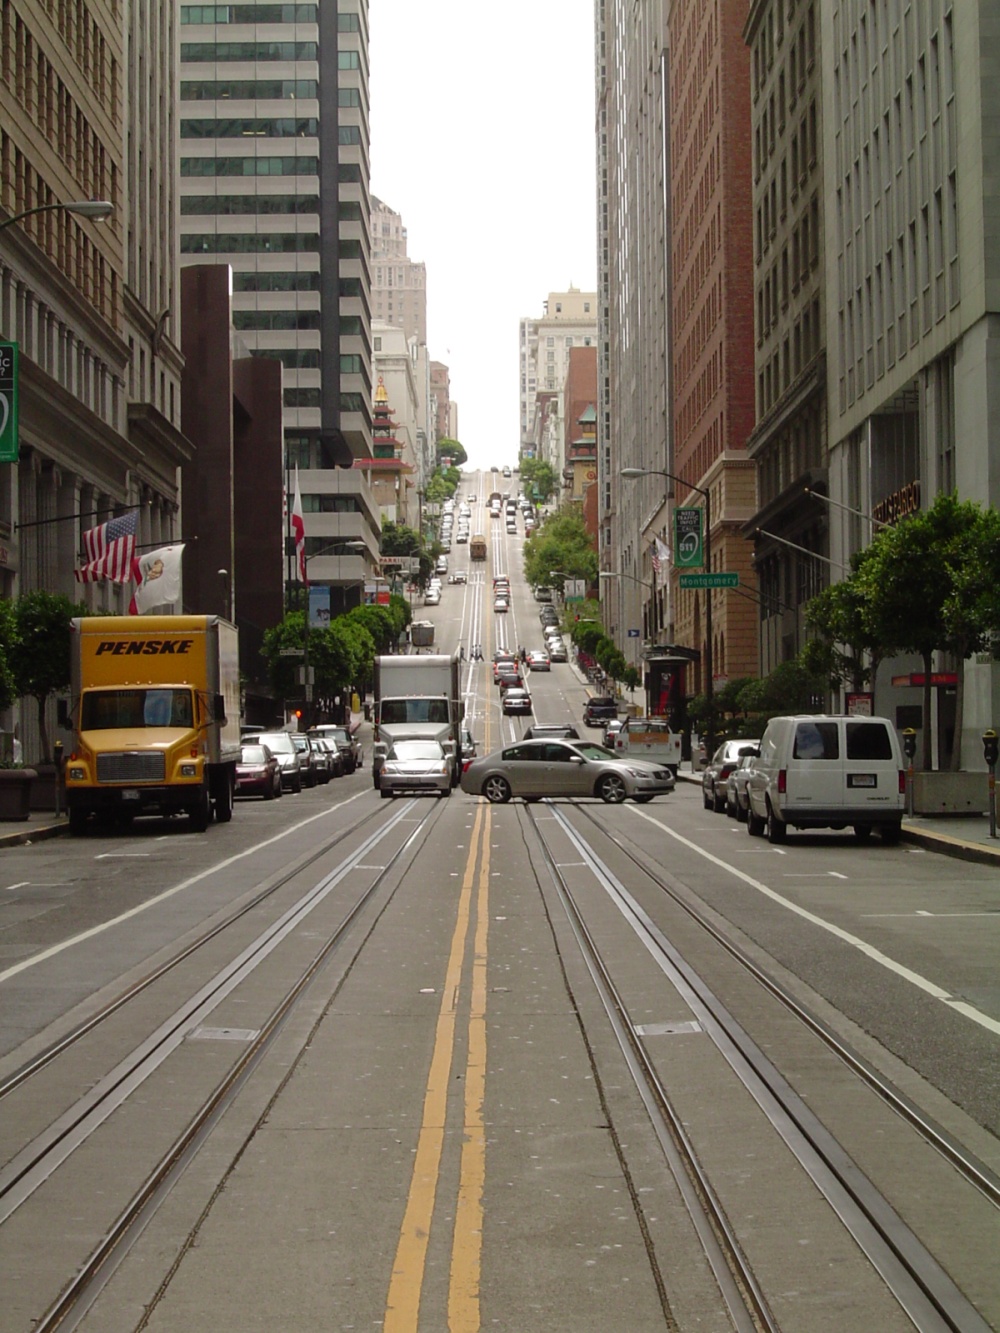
[[402, 541], [843, 649], [40, 653], [918, 594], [8, 631], [537, 478], [452, 450], [564, 543]]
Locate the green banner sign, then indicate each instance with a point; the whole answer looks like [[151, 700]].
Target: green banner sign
[[728, 580], [8, 403], [689, 551]]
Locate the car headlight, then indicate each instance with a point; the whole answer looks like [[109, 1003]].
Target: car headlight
[[189, 770], [76, 774]]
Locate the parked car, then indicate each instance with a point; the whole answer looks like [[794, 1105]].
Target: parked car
[[737, 801], [599, 710], [311, 766], [415, 766], [327, 760], [538, 661], [282, 747], [532, 769], [432, 597], [258, 773], [557, 651], [827, 772], [500, 604], [551, 731], [614, 725], [468, 745], [347, 743], [515, 700], [716, 772]]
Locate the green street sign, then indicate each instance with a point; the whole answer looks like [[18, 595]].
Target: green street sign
[[688, 549], [710, 580], [8, 403]]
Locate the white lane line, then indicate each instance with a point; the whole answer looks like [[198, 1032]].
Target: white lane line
[[120, 856], [876, 955], [21, 884], [167, 893]]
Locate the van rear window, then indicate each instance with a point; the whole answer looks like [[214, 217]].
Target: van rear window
[[816, 740], [868, 740]]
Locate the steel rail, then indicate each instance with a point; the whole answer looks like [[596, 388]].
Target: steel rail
[[970, 1167], [45, 1057], [76, 1298], [923, 1289]]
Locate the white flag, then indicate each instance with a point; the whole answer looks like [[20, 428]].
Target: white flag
[[661, 560], [158, 578]]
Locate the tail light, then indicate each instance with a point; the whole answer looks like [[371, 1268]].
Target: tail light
[[466, 765], [782, 781], [902, 782]]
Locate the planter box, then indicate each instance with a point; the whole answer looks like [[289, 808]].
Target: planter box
[[15, 792], [951, 793], [43, 790]]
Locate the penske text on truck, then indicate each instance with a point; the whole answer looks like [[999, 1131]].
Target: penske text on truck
[[156, 718], [417, 697]]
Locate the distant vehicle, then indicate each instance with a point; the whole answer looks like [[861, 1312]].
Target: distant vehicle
[[494, 468], [611, 731], [737, 800], [281, 746], [552, 731], [649, 738], [328, 760], [508, 675], [258, 773], [346, 742], [533, 769], [477, 546], [415, 766], [516, 700], [432, 597], [314, 770], [716, 772], [422, 632], [418, 696], [506, 472], [538, 661], [501, 604], [542, 593], [557, 651], [599, 710]]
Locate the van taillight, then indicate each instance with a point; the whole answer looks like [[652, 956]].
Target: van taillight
[[782, 781], [902, 782]]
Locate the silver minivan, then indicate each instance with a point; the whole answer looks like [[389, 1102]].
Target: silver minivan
[[827, 772]]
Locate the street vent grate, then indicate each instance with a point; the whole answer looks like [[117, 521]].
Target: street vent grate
[[666, 1029], [225, 1034]]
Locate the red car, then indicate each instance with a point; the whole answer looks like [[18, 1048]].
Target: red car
[[258, 773]]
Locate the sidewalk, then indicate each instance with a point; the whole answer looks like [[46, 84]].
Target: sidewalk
[[966, 836], [39, 825]]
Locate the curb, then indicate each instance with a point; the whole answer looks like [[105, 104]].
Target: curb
[[39, 833]]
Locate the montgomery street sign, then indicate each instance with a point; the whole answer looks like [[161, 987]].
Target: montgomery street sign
[[8, 403], [710, 580]]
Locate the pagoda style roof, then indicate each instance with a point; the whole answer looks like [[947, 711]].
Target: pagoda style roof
[[382, 465]]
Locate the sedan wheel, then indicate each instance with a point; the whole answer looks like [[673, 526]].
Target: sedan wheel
[[612, 789], [496, 789]]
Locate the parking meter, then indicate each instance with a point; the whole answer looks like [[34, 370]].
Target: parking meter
[[991, 748], [57, 751], [909, 749]]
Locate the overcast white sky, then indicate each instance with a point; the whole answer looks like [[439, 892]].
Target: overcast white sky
[[482, 138]]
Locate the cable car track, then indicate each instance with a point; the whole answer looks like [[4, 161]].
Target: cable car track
[[923, 1289], [36, 1161]]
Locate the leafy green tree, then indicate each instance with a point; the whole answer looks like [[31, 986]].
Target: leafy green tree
[[400, 540], [451, 449], [40, 652], [909, 584], [842, 649], [8, 631], [537, 478], [564, 543]]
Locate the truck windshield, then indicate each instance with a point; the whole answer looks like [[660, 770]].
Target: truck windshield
[[394, 712], [104, 709]]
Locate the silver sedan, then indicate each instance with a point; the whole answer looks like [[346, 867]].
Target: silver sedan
[[533, 769], [415, 766]]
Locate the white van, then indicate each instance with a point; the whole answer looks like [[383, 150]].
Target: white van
[[827, 772]]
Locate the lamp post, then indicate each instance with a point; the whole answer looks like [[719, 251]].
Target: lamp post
[[96, 209], [632, 472]]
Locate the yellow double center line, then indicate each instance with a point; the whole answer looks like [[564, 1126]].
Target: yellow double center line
[[403, 1301]]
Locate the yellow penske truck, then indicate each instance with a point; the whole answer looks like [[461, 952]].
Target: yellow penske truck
[[156, 719]]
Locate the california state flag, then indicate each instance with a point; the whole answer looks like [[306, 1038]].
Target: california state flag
[[158, 579], [299, 529]]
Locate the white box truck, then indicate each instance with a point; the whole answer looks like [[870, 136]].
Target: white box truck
[[418, 697]]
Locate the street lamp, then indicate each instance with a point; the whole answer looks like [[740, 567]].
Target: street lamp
[[631, 472], [96, 209]]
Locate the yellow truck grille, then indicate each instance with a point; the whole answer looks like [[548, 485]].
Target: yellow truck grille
[[141, 766]]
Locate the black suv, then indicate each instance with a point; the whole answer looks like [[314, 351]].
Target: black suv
[[599, 711]]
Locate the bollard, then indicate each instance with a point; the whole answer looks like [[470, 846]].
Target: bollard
[[991, 747]]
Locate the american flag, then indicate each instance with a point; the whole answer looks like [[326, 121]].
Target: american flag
[[299, 530], [108, 550]]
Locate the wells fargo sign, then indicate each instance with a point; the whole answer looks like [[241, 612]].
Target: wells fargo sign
[[896, 506]]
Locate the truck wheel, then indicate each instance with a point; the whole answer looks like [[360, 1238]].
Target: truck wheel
[[891, 834], [201, 812], [776, 828], [755, 825], [77, 821]]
